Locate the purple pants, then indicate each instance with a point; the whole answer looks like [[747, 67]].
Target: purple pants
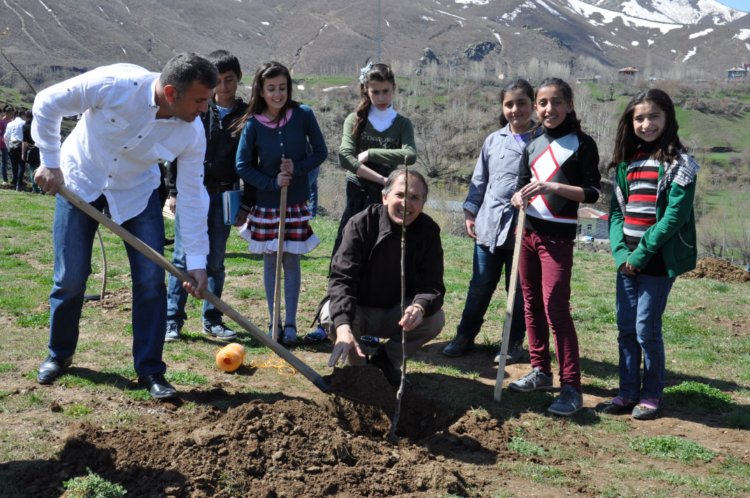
[[545, 266]]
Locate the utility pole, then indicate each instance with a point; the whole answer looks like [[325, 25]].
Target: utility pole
[[379, 35]]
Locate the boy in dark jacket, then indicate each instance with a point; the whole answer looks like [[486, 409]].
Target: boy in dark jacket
[[219, 176]]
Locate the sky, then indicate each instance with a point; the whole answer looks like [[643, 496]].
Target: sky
[[743, 5]]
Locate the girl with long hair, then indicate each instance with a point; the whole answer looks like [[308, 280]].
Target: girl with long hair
[[653, 240], [280, 143]]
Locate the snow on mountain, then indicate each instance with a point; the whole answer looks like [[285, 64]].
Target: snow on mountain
[[588, 10], [701, 33], [682, 12]]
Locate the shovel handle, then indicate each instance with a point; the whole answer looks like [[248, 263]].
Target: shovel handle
[[160, 260], [279, 261], [512, 289]]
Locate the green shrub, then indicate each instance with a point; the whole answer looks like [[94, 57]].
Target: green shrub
[[92, 486]]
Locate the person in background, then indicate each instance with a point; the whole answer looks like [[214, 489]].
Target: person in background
[[29, 151], [280, 144], [14, 140], [565, 173], [491, 220], [364, 288], [4, 157], [653, 239], [131, 119], [376, 140], [219, 175]]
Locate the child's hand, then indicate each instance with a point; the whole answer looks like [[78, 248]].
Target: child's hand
[[287, 165], [537, 188], [284, 179], [470, 225], [628, 269]]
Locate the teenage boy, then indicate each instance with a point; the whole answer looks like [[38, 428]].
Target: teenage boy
[[219, 176]]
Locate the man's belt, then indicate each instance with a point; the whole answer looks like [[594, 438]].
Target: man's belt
[[217, 189]]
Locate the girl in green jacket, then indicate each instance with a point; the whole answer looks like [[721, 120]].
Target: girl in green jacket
[[652, 236], [376, 140]]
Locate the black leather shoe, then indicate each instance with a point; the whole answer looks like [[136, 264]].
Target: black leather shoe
[[458, 346], [516, 354], [392, 374], [52, 368], [157, 386]]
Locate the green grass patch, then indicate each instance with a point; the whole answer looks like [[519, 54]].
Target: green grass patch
[[34, 320], [520, 445], [32, 399], [76, 410], [697, 397], [7, 367], [187, 378], [673, 448], [92, 486], [543, 474]]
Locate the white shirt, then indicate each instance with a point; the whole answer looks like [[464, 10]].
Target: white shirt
[[116, 146], [14, 131], [381, 120]]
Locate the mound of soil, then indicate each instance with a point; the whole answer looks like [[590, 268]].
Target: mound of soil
[[718, 269], [284, 447]]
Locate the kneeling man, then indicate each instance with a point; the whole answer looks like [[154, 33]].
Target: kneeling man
[[364, 288]]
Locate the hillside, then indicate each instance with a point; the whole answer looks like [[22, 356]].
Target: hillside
[[51, 40]]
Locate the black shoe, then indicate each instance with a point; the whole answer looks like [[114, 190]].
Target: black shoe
[[458, 346], [392, 374], [516, 354], [157, 386], [52, 368]]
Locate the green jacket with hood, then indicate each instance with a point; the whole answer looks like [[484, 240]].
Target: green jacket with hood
[[673, 235]]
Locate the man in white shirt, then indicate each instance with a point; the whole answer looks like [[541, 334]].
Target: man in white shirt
[[131, 119], [14, 138]]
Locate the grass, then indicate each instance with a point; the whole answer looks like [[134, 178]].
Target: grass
[[671, 447], [708, 365], [518, 444]]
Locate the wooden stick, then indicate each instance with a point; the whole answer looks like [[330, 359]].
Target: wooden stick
[[512, 289], [279, 261], [160, 260], [402, 384]]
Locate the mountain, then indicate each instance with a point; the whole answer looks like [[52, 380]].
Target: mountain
[[50, 40]]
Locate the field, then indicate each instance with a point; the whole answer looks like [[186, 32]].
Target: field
[[266, 431]]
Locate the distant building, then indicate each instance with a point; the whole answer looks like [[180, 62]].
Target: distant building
[[593, 223], [737, 72], [629, 72]]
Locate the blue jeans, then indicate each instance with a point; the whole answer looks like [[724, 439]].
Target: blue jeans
[[641, 301], [218, 233], [487, 268], [73, 236], [312, 178]]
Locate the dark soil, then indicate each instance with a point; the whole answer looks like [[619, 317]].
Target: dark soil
[[278, 447], [718, 269]]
